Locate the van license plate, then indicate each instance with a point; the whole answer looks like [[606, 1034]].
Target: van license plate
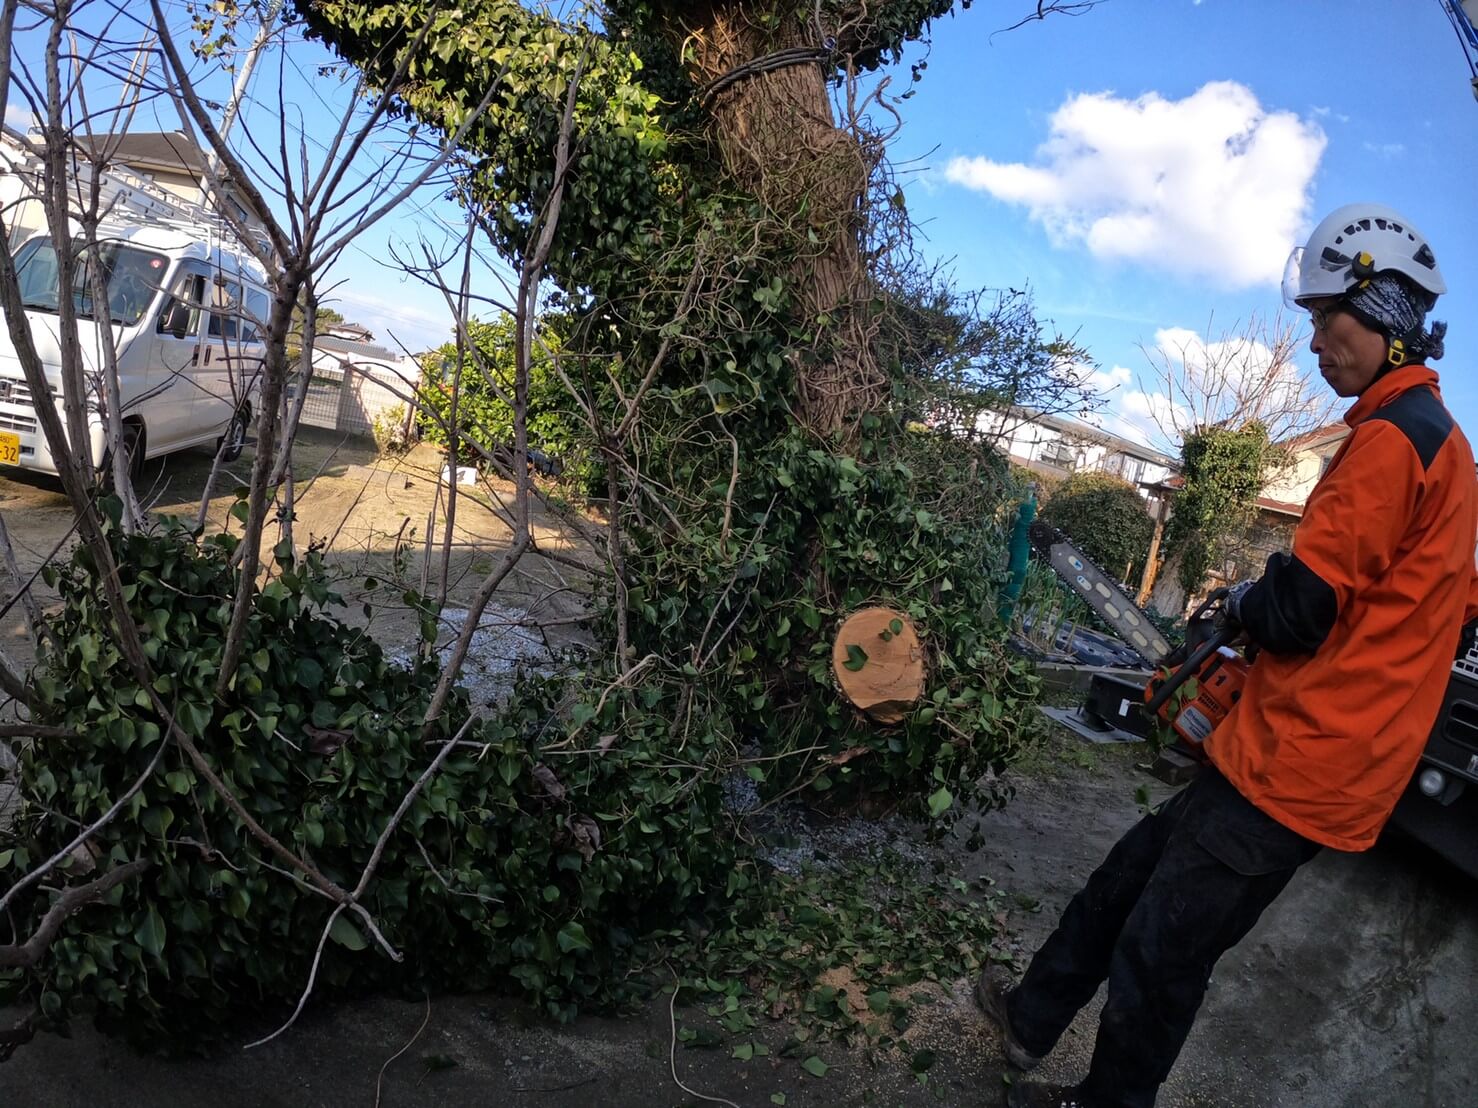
[[10, 449]]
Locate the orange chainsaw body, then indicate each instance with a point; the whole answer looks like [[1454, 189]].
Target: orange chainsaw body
[[1202, 707]]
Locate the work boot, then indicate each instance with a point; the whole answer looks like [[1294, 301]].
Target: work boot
[[1033, 1094], [990, 994]]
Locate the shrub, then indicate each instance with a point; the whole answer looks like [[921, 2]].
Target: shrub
[[555, 426], [388, 428], [923, 536], [520, 865], [1106, 516]]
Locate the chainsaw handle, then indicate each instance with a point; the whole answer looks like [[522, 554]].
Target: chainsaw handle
[[1190, 667]]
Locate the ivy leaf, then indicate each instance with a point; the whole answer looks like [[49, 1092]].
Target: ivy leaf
[[939, 802], [309, 673], [856, 658], [572, 937], [921, 1061], [346, 934], [156, 820], [150, 934], [744, 1051], [815, 1066], [896, 626], [778, 1098]]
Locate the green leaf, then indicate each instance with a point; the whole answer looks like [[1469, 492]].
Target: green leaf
[[744, 1051], [856, 658], [921, 1061], [509, 767], [572, 937], [178, 782], [778, 1098], [939, 802], [815, 1066], [150, 934], [5, 857], [896, 626], [156, 820], [346, 934], [309, 673]]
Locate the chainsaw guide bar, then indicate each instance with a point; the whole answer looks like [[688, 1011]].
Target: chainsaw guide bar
[[1100, 592]]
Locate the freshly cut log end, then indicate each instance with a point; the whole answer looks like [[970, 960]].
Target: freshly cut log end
[[879, 663]]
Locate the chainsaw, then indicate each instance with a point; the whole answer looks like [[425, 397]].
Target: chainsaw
[[1193, 686]]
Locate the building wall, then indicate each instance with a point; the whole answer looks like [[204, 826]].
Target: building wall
[[23, 216], [1295, 484], [179, 184], [1043, 446], [354, 383]]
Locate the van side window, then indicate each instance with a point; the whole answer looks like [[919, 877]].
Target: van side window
[[254, 319], [187, 295], [225, 309]]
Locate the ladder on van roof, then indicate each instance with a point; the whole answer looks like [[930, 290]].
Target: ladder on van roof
[[130, 197]]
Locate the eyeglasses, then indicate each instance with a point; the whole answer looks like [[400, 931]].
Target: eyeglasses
[[1320, 316]]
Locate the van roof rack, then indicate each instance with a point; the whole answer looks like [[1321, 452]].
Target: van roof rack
[[130, 197]]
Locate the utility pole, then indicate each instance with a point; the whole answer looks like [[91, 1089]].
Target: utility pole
[[1161, 512], [269, 23]]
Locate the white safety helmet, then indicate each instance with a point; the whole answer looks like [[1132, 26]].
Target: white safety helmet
[[1353, 244]]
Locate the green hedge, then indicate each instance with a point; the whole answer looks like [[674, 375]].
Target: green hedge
[[1106, 516]]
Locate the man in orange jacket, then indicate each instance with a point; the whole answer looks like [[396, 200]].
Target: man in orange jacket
[[1357, 626]]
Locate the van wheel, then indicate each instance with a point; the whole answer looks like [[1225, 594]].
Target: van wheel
[[133, 444], [230, 444]]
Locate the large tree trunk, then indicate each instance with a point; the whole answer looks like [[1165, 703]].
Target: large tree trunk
[[780, 142], [1168, 597]]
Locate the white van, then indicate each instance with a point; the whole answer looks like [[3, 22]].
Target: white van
[[185, 319]]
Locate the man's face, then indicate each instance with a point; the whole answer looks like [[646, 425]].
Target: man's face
[[1350, 353]]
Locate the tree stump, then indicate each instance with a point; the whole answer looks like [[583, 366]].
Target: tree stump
[[879, 663]]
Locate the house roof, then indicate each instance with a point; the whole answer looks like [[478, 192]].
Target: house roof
[[1330, 432], [170, 150], [1066, 425], [1175, 482], [1280, 507]]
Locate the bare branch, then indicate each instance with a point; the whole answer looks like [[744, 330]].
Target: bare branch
[[28, 953]]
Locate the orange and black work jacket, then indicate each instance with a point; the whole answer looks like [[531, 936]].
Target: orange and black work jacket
[[1360, 623]]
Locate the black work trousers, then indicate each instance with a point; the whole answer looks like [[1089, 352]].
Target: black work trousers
[[1179, 890]]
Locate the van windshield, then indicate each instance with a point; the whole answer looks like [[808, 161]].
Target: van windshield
[[131, 276]]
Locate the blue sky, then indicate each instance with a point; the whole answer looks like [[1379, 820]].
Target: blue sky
[[1342, 100], [1032, 151]]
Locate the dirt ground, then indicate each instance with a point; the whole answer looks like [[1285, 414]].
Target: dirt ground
[[1359, 987], [371, 511]]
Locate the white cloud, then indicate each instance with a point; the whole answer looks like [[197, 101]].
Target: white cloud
[[392, 322], [1387, 151], [1128, 411], [1212, 186], [1212, 381], [18, 116]]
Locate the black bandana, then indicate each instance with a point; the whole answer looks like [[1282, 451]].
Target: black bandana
[[1396, 307]]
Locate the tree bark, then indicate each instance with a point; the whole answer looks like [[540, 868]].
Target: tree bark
[[780, 142]]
